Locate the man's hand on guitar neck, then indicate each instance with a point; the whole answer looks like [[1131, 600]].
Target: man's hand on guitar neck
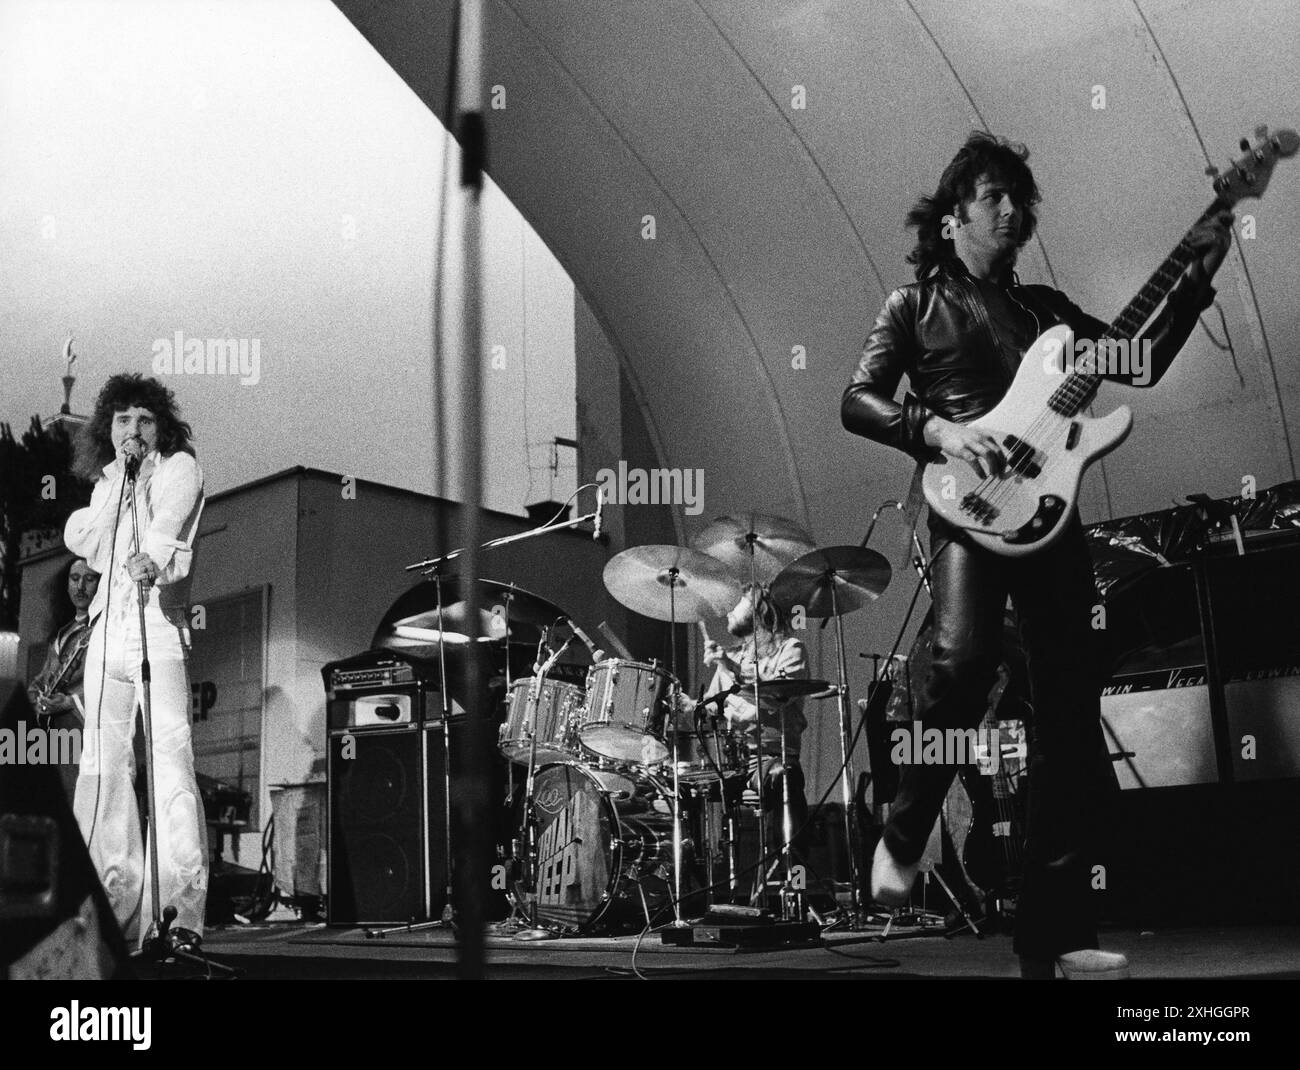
[[963, 442], [1211, 239]]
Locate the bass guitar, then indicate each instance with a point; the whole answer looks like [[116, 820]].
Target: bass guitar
[[1047, 438]]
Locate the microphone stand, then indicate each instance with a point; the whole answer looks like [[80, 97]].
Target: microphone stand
[[161, 942], [529, 846]]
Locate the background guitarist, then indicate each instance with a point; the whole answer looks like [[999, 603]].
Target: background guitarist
[[958, 333], [58, 690]]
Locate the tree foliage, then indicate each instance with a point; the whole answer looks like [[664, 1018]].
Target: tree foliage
[[37, 492]]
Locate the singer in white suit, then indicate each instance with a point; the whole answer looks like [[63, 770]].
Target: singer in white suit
[[135, 444]]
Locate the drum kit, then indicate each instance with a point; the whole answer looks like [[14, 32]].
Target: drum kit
[[629, 771], [629, 803]]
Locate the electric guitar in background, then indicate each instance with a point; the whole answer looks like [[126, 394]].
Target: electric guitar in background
[[1046, 437]]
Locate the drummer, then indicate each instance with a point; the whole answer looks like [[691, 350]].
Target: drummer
[[780, 656]]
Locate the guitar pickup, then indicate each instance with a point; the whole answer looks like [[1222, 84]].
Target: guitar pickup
[[1022, 458], [977, 507], [1072, 435]]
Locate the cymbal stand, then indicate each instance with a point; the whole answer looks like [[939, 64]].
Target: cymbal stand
[[847, 776], [790, 898], [674, 702], [448, 910], [448, 918], [759, 891], [432, 566]]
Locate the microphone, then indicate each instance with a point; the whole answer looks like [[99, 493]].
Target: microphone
[[542, 644], [595, 650], [600, 509], [134, 454]]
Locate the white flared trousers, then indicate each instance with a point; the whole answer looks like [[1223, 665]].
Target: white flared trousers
[[105, 803]]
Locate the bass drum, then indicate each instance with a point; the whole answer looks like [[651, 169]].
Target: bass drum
[[604, 842]]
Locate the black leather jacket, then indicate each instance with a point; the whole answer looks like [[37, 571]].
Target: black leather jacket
[[938, 333]]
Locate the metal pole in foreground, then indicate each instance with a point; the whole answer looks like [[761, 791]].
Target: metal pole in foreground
[[472, 803]]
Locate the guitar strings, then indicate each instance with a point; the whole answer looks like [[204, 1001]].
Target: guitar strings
[[1079, 387]]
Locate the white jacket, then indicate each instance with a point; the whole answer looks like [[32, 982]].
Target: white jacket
[[169, 495]]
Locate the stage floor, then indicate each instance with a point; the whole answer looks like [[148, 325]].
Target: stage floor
[[297, 950]]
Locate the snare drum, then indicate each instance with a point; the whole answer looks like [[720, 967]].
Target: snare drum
[[627, 705], [706, 756], [558, 707]]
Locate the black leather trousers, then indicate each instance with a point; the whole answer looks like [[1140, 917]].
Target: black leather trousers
[[1054, 594]]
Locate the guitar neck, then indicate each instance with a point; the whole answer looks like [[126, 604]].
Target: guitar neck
[[1081, 386], [1161, 283]]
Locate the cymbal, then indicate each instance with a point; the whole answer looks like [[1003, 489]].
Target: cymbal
[[775, 541], [856, 574], [784, 690], [519, 605], [506, 613], [667, 582]]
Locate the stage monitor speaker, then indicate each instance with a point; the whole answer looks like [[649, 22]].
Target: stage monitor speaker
[[55, 920], [377, 866]]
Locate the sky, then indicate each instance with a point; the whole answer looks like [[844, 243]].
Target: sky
[[253, 170]]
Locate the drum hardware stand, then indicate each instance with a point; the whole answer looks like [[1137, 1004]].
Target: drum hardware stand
[[759, 892], [533, 930], [448, 919], [433, 566], [791, 899], [846, 770], [674, 701], [922, 567]]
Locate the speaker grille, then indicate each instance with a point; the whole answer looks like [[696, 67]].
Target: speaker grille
[[377, 820]]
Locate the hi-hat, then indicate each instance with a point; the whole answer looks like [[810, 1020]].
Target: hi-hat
[[775, 542], [671, 583], [857, 576]]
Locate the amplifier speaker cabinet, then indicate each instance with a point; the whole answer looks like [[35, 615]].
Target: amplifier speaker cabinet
[[1264, 724], [388, 839], [1160, 721], [381, 689], [377, 868], [383, 706]]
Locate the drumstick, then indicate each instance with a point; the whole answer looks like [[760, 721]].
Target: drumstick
[[725, 662], [616, 644]]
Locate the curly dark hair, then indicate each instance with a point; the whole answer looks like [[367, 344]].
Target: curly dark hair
[[94, 441], [982, 155]]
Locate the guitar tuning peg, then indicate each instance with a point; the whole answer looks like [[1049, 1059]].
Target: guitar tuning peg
[[1212, 171], [1245, 144]]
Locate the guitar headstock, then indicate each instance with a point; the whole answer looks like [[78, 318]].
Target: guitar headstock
[[1250, 174]]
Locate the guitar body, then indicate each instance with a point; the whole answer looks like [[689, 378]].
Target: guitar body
[[984, 815], [1025, 507]]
